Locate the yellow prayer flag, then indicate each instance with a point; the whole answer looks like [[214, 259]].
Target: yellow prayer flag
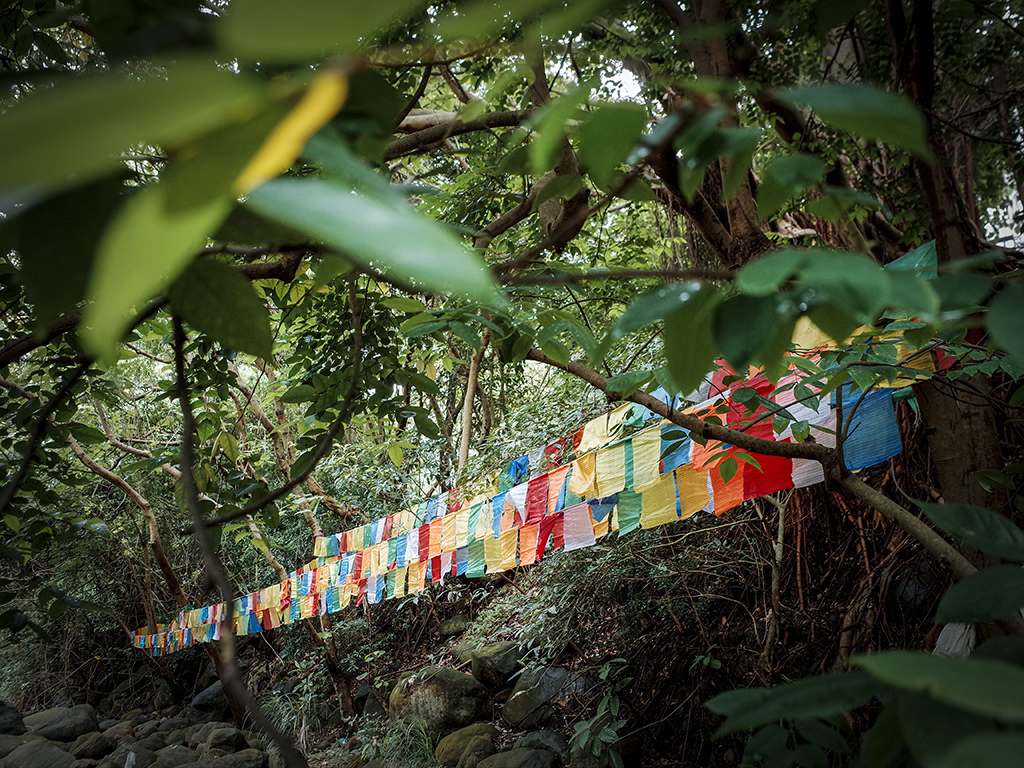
[[462, 528], [693, 490], [448, 543], [509, 548], [659, 503], [400, 576], [610, 470], [492, 554], [581, 482], [646, 457]]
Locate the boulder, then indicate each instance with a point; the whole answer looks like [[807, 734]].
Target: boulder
[[154, 742], [456, 625], [527, 706], [443, 699], [93, 746], [144, 758], [173, 724], [212, 701], [521, 758], [222, 741], [37, 753], [496, 663], [11, 721], [162, 696], [549, 740], [66, 724], [9, 743], [450, 748], [477, 749], [197, 734], [247, 758], [146, 728], [174, 756], [463, 650], [120, 730]]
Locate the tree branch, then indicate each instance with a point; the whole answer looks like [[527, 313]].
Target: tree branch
[[430, 137]]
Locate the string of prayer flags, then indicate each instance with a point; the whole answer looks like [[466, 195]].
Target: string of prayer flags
[[656, 476]]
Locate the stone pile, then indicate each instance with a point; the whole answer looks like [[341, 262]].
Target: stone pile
[[175, 737]]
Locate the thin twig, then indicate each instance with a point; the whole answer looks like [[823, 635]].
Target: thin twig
[[36, 435], [327, 441], [230, 675]]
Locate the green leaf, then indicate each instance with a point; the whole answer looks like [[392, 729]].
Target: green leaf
[[836, 202], [883, 745], [744, 326], [931, 727], [825, 736], [819, 697], [627, 383], [687, 337], [395, 240], [562, 187], [303, 393], [764, 275], [737, 148], [849, 280], [404, 304], [727, 468], [396, 454], [786, 178], [257, 30], [57, 241], [549, 126], [1005, 320], [980, 528], [989, 594], [984, 686], [215, 299], [76, 129], [650, 308], [867, 112], [607, 136], [146, 246], [989, 750]]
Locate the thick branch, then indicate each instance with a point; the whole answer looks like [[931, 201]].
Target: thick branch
[[430, 137]]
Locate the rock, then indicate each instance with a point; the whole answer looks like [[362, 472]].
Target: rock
[[197, 734], [108, 723], [43, 717], [213, 701], [171, 711], [443, 699], [176, 737], [120, 730], [521, 758], [9, 743], [477, 748], [162, 696], [85, 762], [495, 664], [146, 728], [463, 650], [135, 716], [154, 742], [450, 748], [247, 758], [221, 741], [144, 758], [549, 740], [173, 756], [67, 724], [38, 753], [526, 707], [173, 724], [456, 625], [93, 746], [11, 721]]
